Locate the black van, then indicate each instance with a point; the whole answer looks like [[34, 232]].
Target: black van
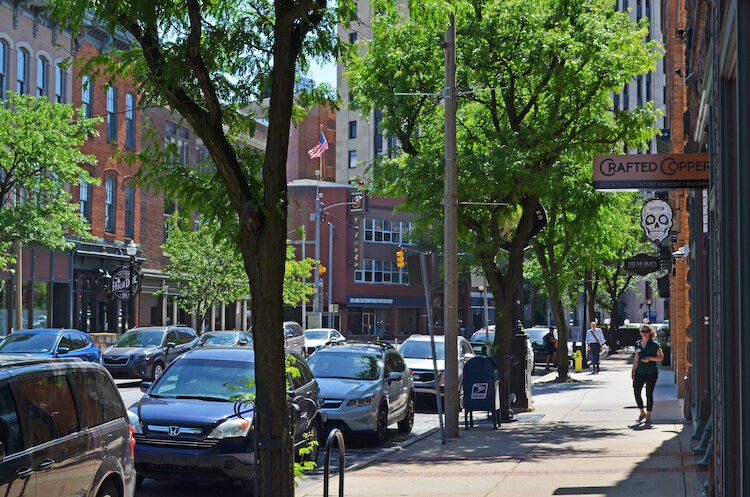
[[63, 430]]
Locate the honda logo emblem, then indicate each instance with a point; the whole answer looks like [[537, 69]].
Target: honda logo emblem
[[174, 431]]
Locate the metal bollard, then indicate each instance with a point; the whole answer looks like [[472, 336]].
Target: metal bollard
[[339, 438]]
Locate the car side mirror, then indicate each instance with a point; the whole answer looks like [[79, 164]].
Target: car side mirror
[[394, 376], [289, 334], [171, 345], [145, 385], [62, 350], [242, 343]]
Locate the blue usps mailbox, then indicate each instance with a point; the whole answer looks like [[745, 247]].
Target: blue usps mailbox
[[481, 390]]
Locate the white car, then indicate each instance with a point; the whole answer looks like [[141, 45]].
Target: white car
[[316, 338]]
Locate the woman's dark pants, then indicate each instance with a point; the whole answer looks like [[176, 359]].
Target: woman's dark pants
[[650, 382]]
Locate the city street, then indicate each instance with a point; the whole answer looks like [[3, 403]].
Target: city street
[[357, 452]]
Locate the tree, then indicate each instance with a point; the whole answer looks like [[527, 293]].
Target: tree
[[208, 266], [535, 80], [209, 61], [40, 155]]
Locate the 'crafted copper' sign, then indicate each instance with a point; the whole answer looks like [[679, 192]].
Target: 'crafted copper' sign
[[650, 171]]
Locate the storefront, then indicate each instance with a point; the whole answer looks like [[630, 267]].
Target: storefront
[[384, 317]]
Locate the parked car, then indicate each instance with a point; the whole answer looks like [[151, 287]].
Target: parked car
[[144, 352], [484, 335], [51, 343], [225, 339], [294, 337], [189, 427], [63, 430], [316, 338], [417, 353], [364, 388]]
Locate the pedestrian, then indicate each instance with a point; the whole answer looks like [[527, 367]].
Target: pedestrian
[[647, 354], [550, 347], [594, 342]]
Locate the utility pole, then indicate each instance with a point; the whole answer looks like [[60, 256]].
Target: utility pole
[[19, 285], [330, 274], [316, 295], [450, 203]]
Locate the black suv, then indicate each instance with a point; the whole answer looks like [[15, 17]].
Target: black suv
[[144, 352], [63, 430]]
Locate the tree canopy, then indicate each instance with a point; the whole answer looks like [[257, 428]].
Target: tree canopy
[[40, 153]]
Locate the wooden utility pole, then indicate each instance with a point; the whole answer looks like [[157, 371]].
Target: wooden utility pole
[[450, 252], [19, 285]]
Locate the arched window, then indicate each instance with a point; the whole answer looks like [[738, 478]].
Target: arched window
[[22, 72], [110, 197], [84, 196], [87, 92], [111, 113], [130, 210], [42, 77], [61, 77], [3, 68]]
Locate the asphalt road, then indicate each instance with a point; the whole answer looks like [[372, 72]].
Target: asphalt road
[[358, 450]]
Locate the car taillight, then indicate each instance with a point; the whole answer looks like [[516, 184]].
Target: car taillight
[[132, 441]]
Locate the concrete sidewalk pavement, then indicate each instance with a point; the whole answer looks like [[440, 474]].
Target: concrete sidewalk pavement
[[581, 439]]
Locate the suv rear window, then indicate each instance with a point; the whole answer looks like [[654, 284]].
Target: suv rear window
[[10, 430], [50, 410], [98, 399]]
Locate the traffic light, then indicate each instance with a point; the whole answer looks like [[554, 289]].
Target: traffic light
[[400, 258], [322, 270]]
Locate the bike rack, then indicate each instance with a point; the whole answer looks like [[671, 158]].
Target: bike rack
[[337, 436]]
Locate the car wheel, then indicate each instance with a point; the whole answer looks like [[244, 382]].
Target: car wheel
[[406, 424], [247, 489], [382, 426], [108, 490], [157, 370]]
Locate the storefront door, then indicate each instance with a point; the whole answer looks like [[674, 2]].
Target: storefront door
[[368, 323]]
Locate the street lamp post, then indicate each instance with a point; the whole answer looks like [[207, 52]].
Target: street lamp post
[[131, 250], [648, 305]]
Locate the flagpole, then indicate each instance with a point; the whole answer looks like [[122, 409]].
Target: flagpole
[[316, 294]]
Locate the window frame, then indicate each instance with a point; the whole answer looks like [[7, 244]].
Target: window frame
[[85, 208], [129, 210], [87, 96], [130, 124], [111, 118], [352, 130], [352, 157], [42, 66], [4, 67], [61, 76], [22, 85]]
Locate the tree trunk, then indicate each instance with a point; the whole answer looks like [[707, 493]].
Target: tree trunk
[[563, 334], [590, 296]]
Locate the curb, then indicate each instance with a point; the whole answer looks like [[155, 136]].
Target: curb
[[386, 453]]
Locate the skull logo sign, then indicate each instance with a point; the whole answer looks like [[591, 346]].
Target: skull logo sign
[[656, 219]]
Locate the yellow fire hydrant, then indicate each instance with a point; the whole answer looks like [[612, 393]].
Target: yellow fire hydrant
[[578, 361]]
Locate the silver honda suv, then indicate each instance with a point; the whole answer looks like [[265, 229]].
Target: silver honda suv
[[364, 388]]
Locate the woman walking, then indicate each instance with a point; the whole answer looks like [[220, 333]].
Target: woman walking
[[647, 354]]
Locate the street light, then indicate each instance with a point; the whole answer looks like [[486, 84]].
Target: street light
[[485, 312], [131, 250], [648, 305]]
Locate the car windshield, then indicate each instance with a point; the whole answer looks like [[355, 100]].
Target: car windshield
[[316, 335], [483, 336], [348, 365], [218, 338], [421, 349], [28, 343], [140, 339], [206, 380], [536, 334]]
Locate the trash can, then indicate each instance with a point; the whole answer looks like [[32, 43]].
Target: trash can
[[521, 369], [481, 390]]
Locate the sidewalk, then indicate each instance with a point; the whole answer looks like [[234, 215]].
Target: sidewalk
[[581, 439]]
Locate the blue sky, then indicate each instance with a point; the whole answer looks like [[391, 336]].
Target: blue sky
[[324, 73]]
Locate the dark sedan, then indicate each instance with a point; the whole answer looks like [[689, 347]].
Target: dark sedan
[[189, 427], [53, 342]]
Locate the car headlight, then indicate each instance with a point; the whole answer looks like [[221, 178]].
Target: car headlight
[[233, 428], [135, 422], [364, 401]]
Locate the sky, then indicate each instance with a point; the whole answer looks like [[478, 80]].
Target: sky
[[324, 73]]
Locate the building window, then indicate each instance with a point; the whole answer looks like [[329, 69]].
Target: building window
[[352, 159], [387, 231], [86, 97], [84, 194], [60, 77], [352, 37], [42, 77], [352, 129], [180, 137], [201, 152], [626, 97], [351, 98], [130, 210], [22, 72], [130, 120], [110, 196], [378, 137], [384, 272], [3, 69], [639, 91], [648, 87], [169, 209], [111, 113], [616, 101]]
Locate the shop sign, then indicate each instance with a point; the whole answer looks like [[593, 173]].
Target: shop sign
[[642, 264], [656, 219], [358, 202], [358, 232], [650, 171], [125, 283]]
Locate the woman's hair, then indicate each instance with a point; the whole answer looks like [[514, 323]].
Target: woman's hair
[[650, 331]]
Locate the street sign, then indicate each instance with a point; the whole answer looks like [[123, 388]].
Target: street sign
[[656, 219], [642, 264], [650, 171], [125, 283]]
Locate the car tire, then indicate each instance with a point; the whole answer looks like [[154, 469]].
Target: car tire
[[381, 429], [406, 424], [156, 370], [247, 488], [108, 490]]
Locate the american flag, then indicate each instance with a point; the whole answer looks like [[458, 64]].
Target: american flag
[[318, 150]]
